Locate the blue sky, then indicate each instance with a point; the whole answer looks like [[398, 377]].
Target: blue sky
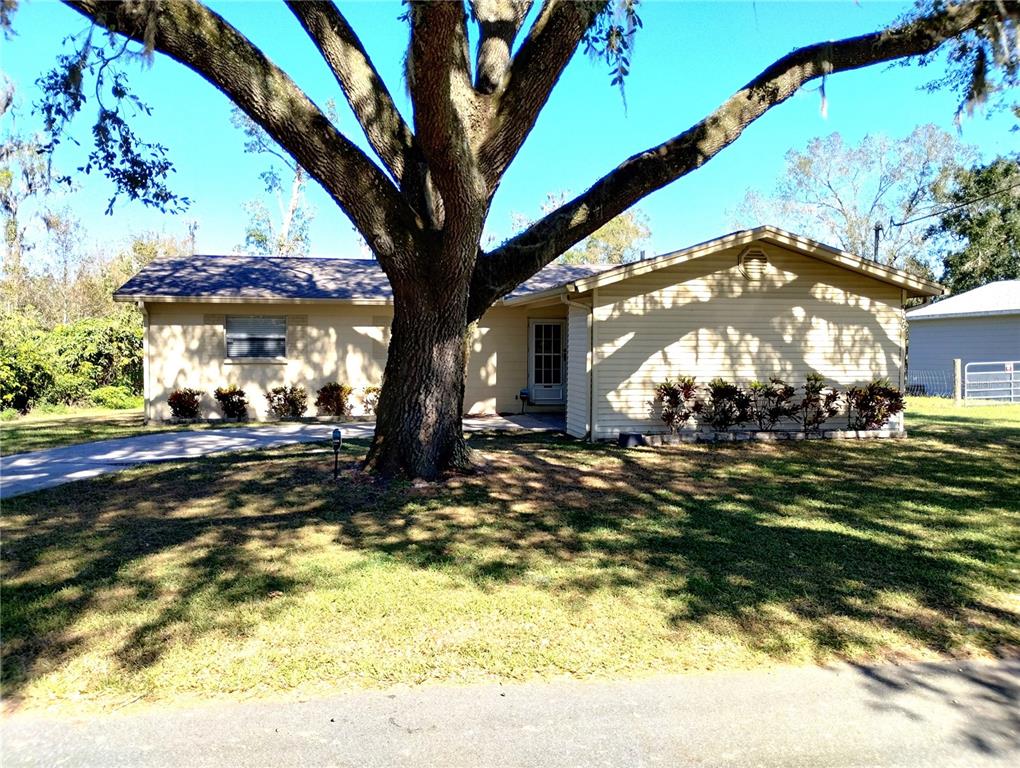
[[689, 57]]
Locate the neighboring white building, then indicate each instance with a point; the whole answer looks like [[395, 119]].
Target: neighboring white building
[[982, 325]]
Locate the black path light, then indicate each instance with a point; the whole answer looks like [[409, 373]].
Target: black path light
[[337, 444]]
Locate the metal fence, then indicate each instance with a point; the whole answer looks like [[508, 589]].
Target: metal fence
[[929, 382], [998, 380]]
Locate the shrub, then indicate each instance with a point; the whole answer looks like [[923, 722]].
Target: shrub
[[678, 401], [728, 405], [68, 363], [335, 399], [184, 403], [94, 352], [370, 399], [9, 414], [287, 402], [233, 402], [24, 371], [871, 406], [114, 397], [819, 404], [772, 402]]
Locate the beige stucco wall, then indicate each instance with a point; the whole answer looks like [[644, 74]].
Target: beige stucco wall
[[705, 318], [326, 342]]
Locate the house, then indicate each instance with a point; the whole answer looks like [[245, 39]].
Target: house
[[978, 326], [590, 341]]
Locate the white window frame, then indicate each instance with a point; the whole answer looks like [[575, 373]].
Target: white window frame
[[547, 394], [270, 335]]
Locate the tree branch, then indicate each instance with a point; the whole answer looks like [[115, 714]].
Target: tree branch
[[203, 41], [371, 102], [499, 21], [499, 272], [445, 105], [535, 70]]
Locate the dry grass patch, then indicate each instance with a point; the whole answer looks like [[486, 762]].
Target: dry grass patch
[[252, 574]]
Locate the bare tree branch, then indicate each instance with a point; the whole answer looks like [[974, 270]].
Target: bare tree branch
[[203, 41], [384, 127], [499, 21], [535, 70], [506, 267]]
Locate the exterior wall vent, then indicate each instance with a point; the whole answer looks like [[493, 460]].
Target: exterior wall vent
[[753, 263]]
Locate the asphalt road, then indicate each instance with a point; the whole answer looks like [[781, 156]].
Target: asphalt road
[[921, 715]]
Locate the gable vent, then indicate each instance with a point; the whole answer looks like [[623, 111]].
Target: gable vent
[[753, 263]]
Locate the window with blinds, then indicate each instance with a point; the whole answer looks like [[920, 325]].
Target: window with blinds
[[256, 336]]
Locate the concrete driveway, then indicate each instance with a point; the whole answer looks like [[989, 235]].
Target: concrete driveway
[[945, 715], [26, 472]]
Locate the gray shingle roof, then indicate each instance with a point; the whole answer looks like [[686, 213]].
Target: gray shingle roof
[[998, 298], [264, 278]]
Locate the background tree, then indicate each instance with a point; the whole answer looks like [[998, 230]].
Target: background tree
[[837, 193], [618, 241], [70, 343], [63, 339], [981, 224], [422, 209], [622, 239], [63, 298], [24, 181], [263, 235]]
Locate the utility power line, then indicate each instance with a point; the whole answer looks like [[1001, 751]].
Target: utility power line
[[955, 207]]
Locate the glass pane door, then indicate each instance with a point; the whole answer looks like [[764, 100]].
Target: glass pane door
[[547, 363]]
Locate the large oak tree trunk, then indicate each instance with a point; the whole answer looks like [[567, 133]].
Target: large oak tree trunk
[[418, 429]]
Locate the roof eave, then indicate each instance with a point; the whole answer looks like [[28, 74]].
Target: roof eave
[[529, 298], [158, 299], [914, 285], [956, 315]]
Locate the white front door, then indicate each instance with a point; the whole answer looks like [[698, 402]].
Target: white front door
[[547, 362]]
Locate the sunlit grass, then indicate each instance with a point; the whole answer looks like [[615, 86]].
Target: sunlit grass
[[251, 574]]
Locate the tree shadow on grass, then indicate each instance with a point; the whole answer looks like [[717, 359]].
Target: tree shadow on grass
[[836, 547]]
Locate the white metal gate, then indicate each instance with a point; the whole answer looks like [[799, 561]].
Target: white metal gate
[[992, 381]]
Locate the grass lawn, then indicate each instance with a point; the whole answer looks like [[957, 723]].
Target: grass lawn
[[251, 574], [36, 432]]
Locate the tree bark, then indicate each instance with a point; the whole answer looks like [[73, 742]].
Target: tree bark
[[418, 418]]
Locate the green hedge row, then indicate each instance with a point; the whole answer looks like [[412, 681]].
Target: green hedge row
[[94, 361]]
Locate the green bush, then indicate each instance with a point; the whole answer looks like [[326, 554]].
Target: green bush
[[92, 353], [70, 362], [9, 414], [728, 405], [678, 402], [115, 397], [871, 406], [233, 401], [25, 375], [335, 399], [287, 402], [184, 403]]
